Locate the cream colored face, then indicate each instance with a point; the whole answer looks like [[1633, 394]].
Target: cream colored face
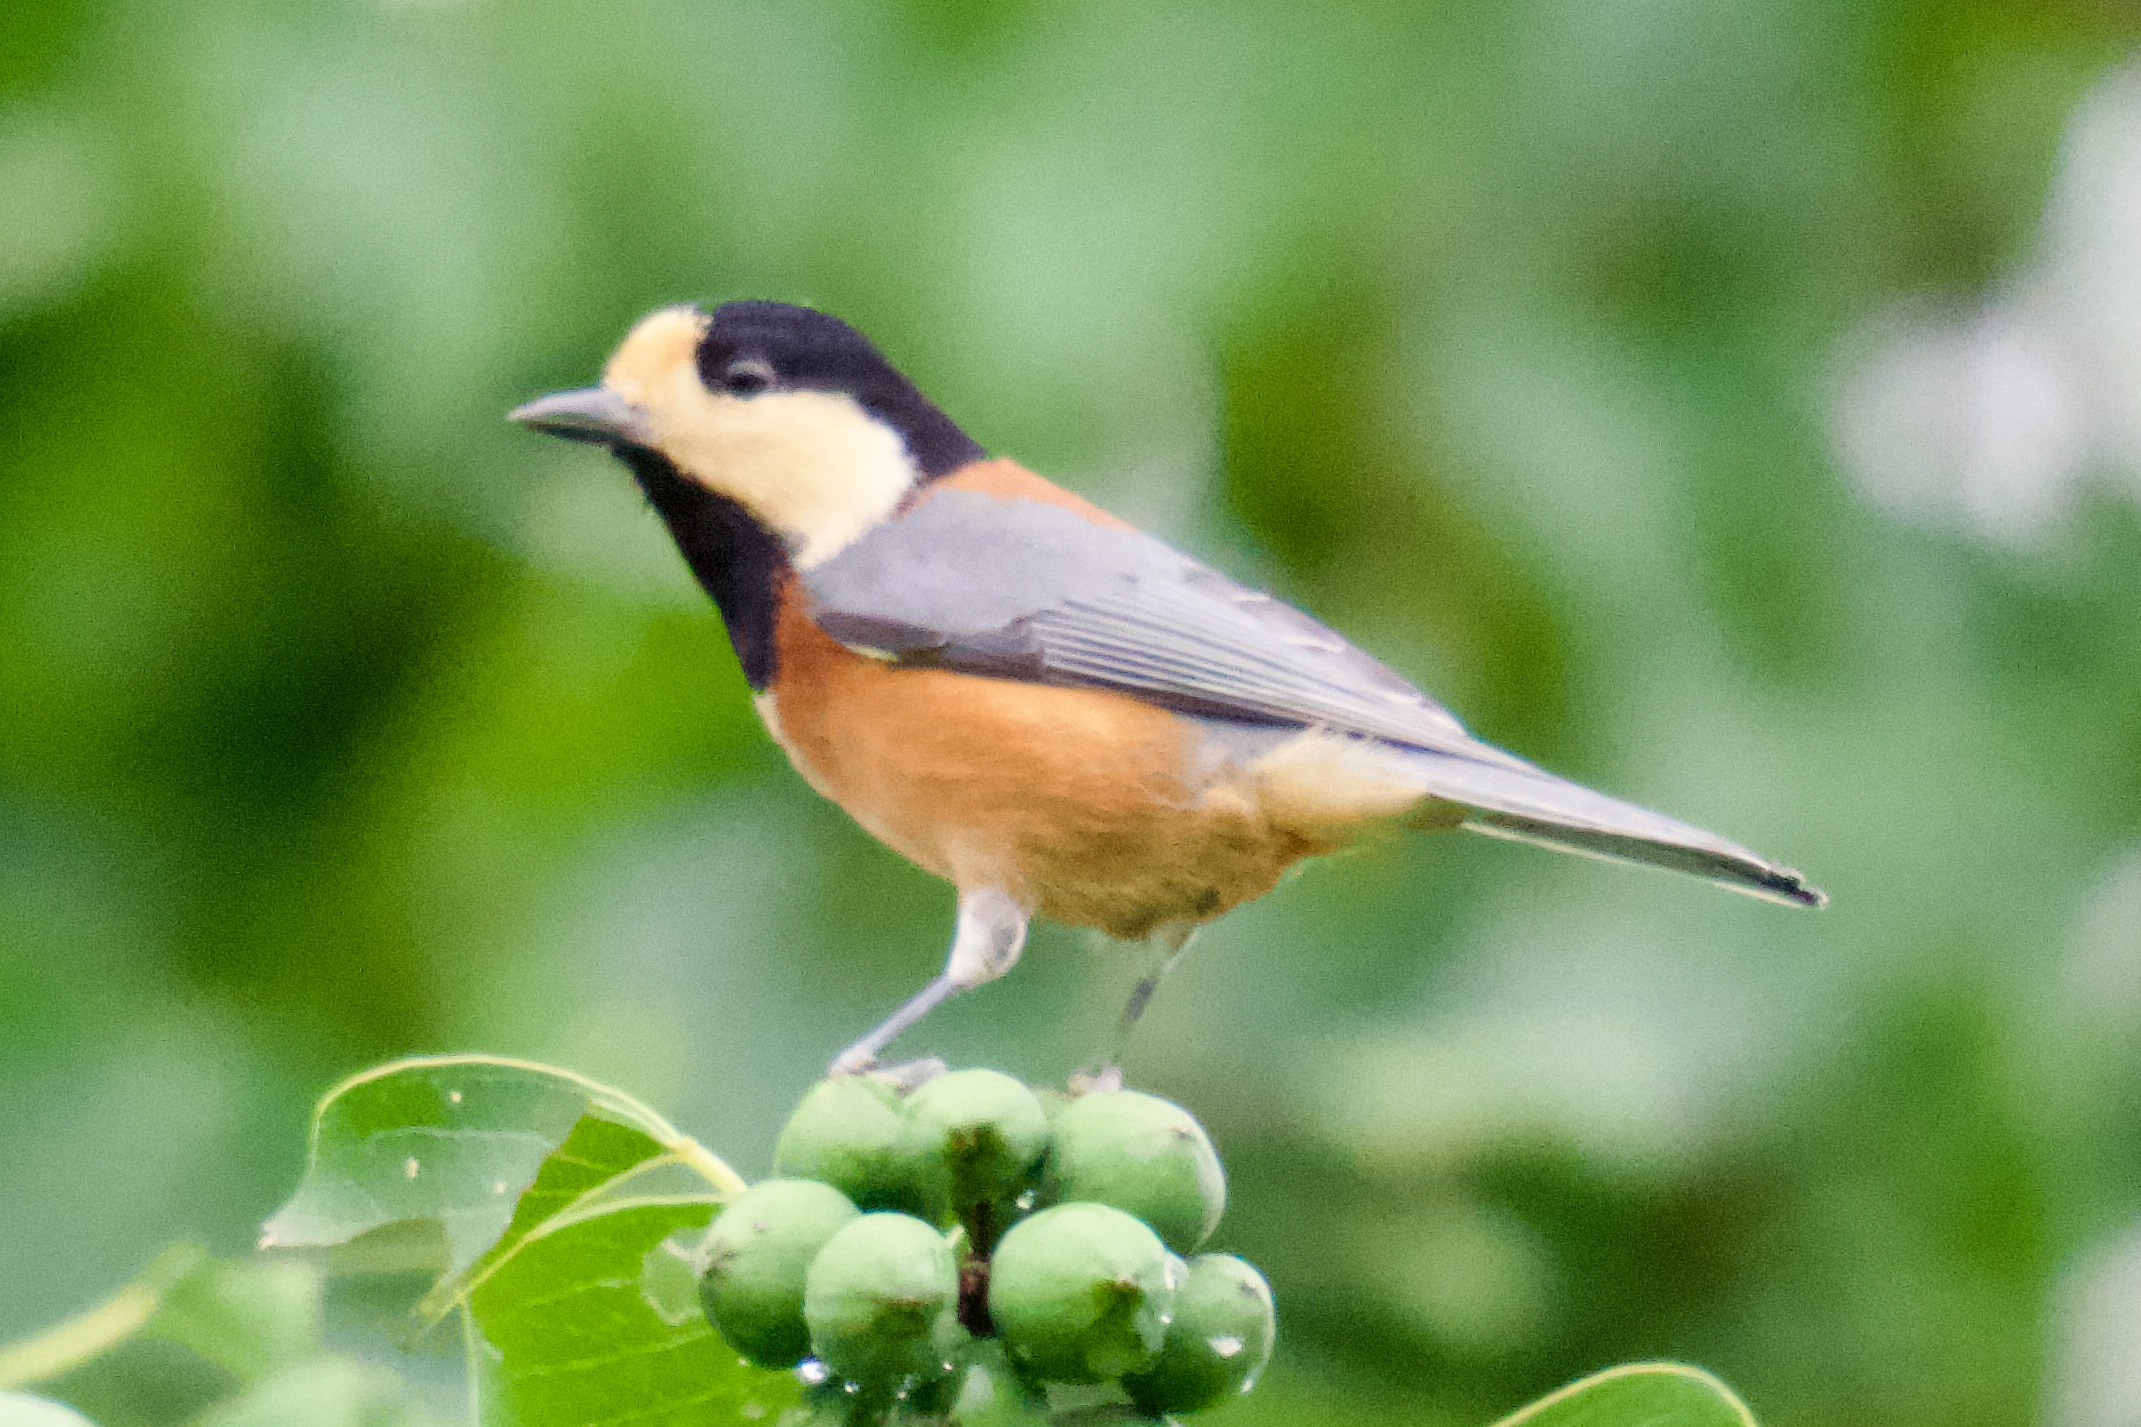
[[813, 466]]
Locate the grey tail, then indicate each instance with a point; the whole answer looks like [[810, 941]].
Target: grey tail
[[1516, 800]]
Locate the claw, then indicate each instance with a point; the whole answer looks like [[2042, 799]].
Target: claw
[[905, 1076], [855, 1060], [909, 1076], [1106, 1080]]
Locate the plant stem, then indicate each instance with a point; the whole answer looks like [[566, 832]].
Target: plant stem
[[67, 1345], [727, 1182]]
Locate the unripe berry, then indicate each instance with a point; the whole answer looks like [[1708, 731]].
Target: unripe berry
[[1144, 1155], [846, 1133], [972, 1143], [1219, 1340], [991, 1393], [1082, 1293], [881, 1299], [757, 1253]]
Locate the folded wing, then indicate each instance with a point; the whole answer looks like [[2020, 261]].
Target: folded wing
[[1019, 589]]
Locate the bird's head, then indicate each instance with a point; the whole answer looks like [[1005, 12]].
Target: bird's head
[[787, 411]]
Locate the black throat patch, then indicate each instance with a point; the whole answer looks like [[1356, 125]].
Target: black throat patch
[[737, 561]]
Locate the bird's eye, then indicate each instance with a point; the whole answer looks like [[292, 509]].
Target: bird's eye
[[746, 378]]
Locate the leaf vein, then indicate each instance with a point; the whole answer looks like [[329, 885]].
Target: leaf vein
[[606, 1360]]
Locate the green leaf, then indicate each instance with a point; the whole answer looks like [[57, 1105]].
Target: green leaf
[[565, 1207], [595, 1319], [67, 1345], [21, 1410], [595, 1155], [457, 1139], [1638, 1395], [248, 1316]]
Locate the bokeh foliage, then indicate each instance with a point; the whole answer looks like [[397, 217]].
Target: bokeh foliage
[[340, 721]]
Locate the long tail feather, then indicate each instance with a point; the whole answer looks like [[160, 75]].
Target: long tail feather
[[1515, 800]]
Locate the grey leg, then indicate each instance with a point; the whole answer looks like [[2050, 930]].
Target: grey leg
[[1161, 950], [991, 932]]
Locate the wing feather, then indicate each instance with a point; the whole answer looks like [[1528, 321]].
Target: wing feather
[[1019, 589]]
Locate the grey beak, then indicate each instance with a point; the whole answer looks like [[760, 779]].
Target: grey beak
[[590, 414]]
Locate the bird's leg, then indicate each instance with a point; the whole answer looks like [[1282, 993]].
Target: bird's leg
[[1160, 951], [991, 932]]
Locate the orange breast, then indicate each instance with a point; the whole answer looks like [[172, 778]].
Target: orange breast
[[1093, 808]]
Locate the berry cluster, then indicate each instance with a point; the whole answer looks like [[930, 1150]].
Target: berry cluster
[[976, 1249]]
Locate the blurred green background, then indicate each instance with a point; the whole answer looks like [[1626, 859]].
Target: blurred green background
[[1736, 405]]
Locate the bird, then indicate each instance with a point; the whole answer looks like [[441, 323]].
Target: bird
[[1057, 713]]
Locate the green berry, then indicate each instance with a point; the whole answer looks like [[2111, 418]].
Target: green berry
[[1144, 1155], [881, 1300], [757, 1253], [1219, 1340], [991, 1393], [1082, 1293], [972, 1143], [846, 1133]]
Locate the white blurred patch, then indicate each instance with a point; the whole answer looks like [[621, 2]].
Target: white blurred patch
[[1976, 419], [2096, 1338], [1992, 420]]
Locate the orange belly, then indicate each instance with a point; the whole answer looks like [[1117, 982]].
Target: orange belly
[[1092, 808]]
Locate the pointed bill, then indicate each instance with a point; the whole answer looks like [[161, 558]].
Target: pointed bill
[[588, 414]]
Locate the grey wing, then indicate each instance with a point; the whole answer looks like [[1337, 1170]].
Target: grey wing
[[1018, 589], [1023, 590]]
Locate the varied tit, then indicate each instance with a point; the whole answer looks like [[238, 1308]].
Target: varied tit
[[1058, 714]]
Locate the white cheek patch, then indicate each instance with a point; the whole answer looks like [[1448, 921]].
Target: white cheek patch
[[815, 467]]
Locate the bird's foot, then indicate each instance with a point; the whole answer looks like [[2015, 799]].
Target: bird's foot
[[1105, 1080], [904, 1076]]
